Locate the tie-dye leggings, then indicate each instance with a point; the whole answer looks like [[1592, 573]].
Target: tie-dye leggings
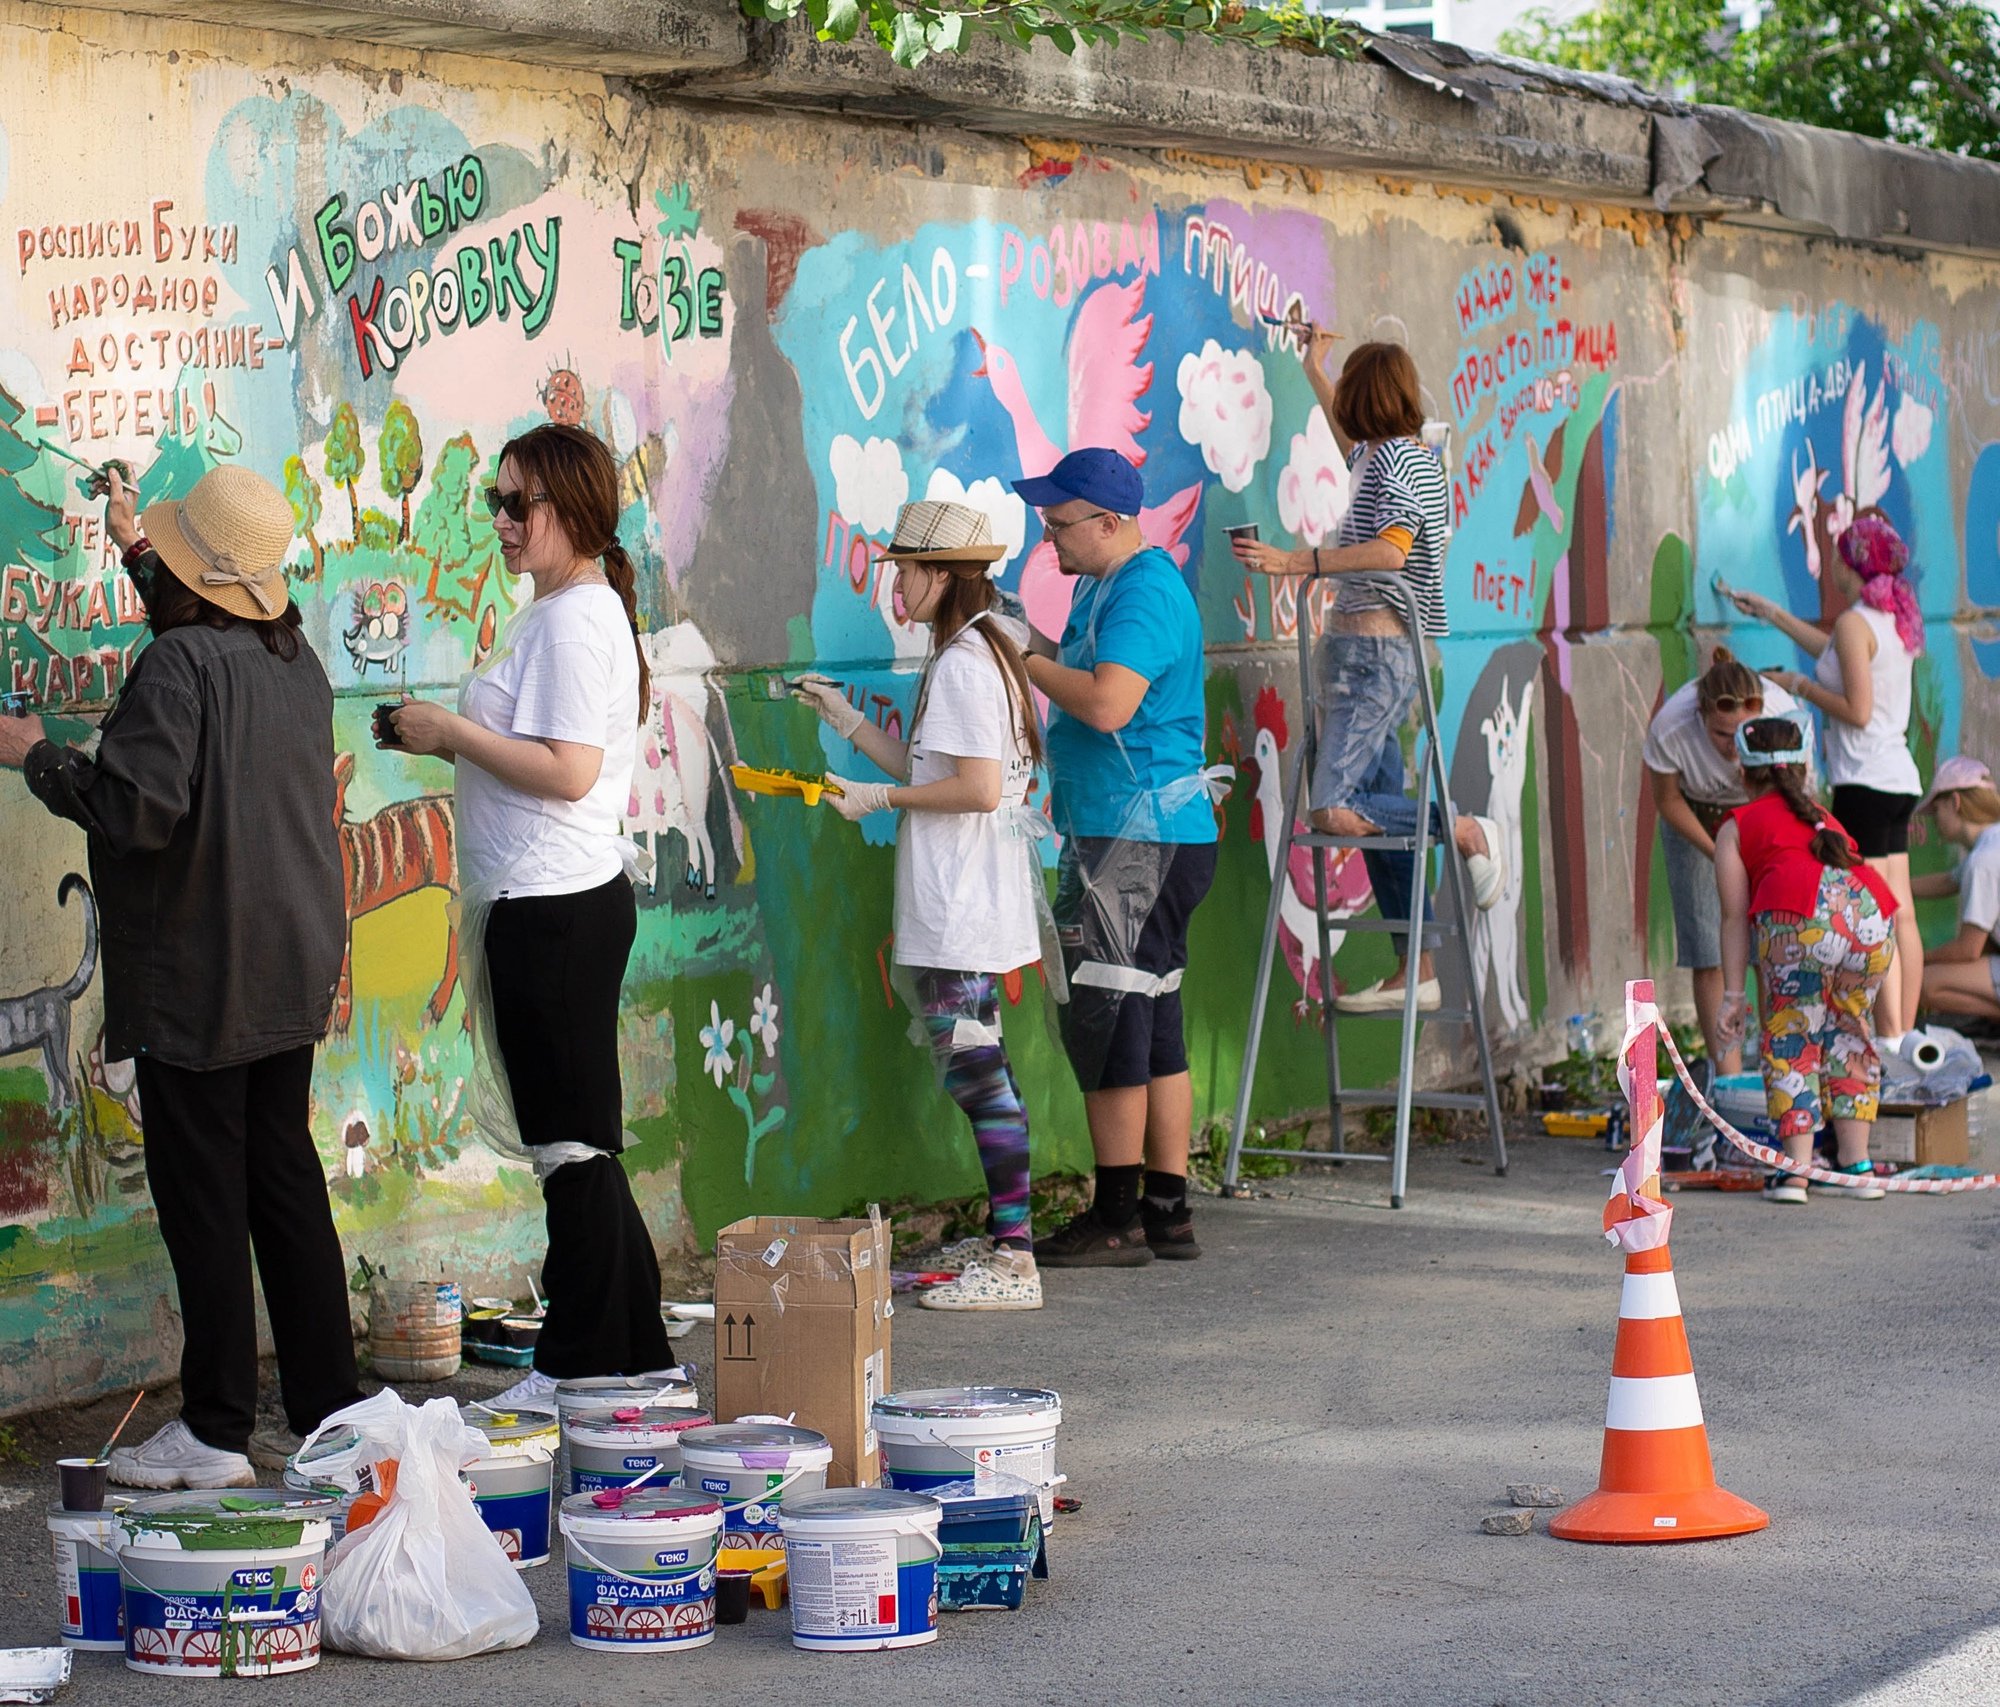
[[1817, 979], [961, 1017]]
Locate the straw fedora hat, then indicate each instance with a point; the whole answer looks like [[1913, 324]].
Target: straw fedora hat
[[934, 531], [227, 540]]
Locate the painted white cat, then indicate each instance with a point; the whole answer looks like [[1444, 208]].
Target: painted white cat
[[1496, 935]]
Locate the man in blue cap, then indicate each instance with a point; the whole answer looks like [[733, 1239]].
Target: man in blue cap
[[1131, 799]]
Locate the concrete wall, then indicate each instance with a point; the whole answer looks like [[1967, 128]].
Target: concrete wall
[[787, 322]]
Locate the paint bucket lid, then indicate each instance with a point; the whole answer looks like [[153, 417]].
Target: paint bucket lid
[[891, 1510], [642, 1504], [512, 1427], [972, 1402], [634, 1423], [733, 1438], [590, 1392], [212, 1519]]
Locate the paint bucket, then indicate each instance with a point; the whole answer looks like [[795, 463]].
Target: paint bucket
[[607, 1449], [641, 1571], [413, 1329], [751, 1468], [88, 1602], [222, 1584], [862, 1568], [935, 1435], [512, 1481], [303, 1480], [669, 1387]]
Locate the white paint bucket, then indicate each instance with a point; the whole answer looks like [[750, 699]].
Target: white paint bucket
[[862, 1568], [88, 1600], [751, 1468], [608, 1449], [668, 1387], [512, 1483], [935, 1435], [641, 1570], [222, 1589], [303, 1480]]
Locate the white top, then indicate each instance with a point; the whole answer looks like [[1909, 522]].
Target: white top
[[1877, 756], [1979, 882], [566, 669], [1677, 744], [962, 898]]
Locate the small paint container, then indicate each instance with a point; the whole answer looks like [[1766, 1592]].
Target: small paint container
[[642, 1571], [304, 1480], [513, 1481], [88, 1602], [752, 1468], [862, 1566]]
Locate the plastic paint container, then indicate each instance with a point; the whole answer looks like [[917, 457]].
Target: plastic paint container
[[752, 1468], [641, 1572], [935, 1435], [303, 1481], [607, 1449], [512, 1482], [223, 1584], [88, 1600], [413, 1329], [862, 1564], [667, 1387]]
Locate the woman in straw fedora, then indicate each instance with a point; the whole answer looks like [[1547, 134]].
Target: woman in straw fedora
[[209, 806], [969, 891]]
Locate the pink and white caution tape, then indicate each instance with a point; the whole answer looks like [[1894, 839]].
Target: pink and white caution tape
[[1641, 1222]]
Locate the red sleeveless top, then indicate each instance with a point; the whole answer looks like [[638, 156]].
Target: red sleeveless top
[[1784, 876]]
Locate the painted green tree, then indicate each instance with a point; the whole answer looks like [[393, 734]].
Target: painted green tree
[[400, 456], [29, 526], [345, 458], [303, 490], [454, 533]]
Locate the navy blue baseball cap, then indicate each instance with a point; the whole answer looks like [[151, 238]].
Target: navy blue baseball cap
[[1095, 476]]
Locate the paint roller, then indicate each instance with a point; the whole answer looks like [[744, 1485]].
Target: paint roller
[[1923, 1051]]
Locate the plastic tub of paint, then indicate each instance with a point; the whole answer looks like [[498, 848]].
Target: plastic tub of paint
[[669, 1387], [935, 1435], [223, 1584], [88, 1601], [641, 1569], [607, 1449], [413, 1329], [513, 1480], [303, 1479], [752, 1468], [863, 1568]]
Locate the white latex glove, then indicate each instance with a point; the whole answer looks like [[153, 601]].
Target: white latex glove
[[857, 799], [825, 697], [1732, 1019]]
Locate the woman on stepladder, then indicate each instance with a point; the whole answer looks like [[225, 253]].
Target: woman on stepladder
[[967, 873], [1789, 874], [1367, 663], [1861, 683]]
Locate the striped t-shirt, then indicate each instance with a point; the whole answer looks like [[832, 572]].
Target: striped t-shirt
[[1398, 483]]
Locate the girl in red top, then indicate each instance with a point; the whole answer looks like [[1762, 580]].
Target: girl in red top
[[1787, 869]]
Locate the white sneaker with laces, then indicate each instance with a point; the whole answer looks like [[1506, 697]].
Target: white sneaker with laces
[[274, 1446], [1003, 1279], [173, 1458], [960, 1254], [534, 1388]]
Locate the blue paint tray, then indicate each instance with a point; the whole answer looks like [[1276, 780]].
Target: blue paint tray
[[991, 1533]]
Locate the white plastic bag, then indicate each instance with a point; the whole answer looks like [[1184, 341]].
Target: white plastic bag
[[425, 1580]]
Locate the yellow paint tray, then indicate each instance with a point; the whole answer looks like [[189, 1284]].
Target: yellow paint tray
[[808, 788]]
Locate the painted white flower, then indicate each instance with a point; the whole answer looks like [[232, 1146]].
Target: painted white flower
[[716, 1037], [869, 483], [1003, 507], [1314, 490], [764, 1021], [1226, 411]]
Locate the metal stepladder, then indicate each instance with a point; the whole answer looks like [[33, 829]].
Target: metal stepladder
[[1453, 926]]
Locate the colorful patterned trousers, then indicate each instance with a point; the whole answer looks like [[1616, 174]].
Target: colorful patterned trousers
[[961, 1018]]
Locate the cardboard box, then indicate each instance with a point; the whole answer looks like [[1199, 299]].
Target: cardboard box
[[802, 1313], [1923, 1137]]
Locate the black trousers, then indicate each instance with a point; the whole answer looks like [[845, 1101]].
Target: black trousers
[[231, 1163], [557, 963]]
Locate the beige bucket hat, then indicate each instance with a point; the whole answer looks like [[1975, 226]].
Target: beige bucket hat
[[935, 531], [227, 540]]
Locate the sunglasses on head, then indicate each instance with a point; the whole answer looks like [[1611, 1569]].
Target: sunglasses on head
[[1728, 702], [515, 504]]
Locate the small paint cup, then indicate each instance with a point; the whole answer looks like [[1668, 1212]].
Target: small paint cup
[[1246, 531], [732, 1597], [16, 704], [83, 1482]]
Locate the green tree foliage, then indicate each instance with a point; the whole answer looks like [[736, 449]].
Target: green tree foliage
[[303, 490], [400, 455], [345, 457], [29, 526], [1917, 71], [455, 534]]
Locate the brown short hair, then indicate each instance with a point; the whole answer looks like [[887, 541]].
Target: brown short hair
[[1379, 397], [1725, 675]]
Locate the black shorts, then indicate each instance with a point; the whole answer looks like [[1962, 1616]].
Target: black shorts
[[1878, 822]]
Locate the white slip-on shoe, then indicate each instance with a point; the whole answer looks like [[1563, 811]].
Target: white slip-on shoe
[[173, 1458], [1000, 1280], [534, 1388], [1488, 871], [1379, 999]]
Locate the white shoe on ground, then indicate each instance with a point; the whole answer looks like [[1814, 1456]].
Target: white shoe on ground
[[1003, 1279], [173, 1458], [1488, 871], [960, 1254], [534, 1388], [273, 1447], [1381, 999]]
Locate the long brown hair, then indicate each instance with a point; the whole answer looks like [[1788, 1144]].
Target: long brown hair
[[1829, 844], [1726, 677], [576, 469], [967, 593]]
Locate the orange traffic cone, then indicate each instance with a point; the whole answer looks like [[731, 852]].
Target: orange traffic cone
[[1656, 1482]]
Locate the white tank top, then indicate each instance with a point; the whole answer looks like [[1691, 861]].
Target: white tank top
[[1876, 756]]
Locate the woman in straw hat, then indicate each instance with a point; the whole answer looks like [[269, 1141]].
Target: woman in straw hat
[[210, 810], [968, 880]]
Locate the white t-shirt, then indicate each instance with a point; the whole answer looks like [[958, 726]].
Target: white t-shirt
[[1979, 882], [565, 670], [962, 898], [1677, 744]]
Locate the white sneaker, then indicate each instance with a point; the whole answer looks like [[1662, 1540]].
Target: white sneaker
[[1000, 1280], [1380, 999], [960, 1254], [534, 1388], [173, 1458], [274, 1446], [1488, 871]]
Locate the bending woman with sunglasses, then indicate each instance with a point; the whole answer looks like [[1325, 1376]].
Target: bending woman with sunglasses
[[1690, 757], [543, 744]]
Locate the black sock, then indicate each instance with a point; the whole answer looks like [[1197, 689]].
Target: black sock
[[1117, 1204], [1166, 1193]]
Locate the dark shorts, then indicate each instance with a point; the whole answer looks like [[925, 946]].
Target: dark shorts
[[1878, 822], [1123, 908]]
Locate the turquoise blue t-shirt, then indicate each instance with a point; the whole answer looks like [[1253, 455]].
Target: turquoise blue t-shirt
[[1143, 617]]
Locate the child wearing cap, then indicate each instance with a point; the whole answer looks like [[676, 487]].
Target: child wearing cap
[[1963, 976], [1790, 875]]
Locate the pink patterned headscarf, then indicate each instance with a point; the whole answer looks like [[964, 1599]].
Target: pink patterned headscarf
[[1875, 551]]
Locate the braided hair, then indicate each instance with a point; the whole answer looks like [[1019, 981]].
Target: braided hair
[[1829, 844]]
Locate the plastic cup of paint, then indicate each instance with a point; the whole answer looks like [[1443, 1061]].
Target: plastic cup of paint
[[16, 704], [732, 1597], [83, 1482], [1245, 531]]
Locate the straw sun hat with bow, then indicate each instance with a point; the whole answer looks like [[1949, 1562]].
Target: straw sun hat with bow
[[227, 540]]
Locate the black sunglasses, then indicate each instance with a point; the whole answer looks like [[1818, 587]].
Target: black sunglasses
[[516, 504]]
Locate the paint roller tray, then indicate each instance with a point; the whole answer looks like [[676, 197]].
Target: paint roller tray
[[754, 781], [991, 1536]]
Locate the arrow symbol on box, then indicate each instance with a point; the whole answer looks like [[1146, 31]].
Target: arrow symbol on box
[[749, 1322]]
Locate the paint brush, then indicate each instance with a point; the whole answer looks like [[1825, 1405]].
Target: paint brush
[[122, 1421], [67, 456]]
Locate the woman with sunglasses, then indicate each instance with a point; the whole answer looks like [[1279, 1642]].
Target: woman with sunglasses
[[1690, 758], [543, 744]]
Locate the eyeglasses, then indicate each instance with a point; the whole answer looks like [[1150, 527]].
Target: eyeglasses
[[1729, 702], [515, 504], [1053, 528]]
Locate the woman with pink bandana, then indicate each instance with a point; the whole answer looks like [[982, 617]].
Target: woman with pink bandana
[[1862, 686]]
